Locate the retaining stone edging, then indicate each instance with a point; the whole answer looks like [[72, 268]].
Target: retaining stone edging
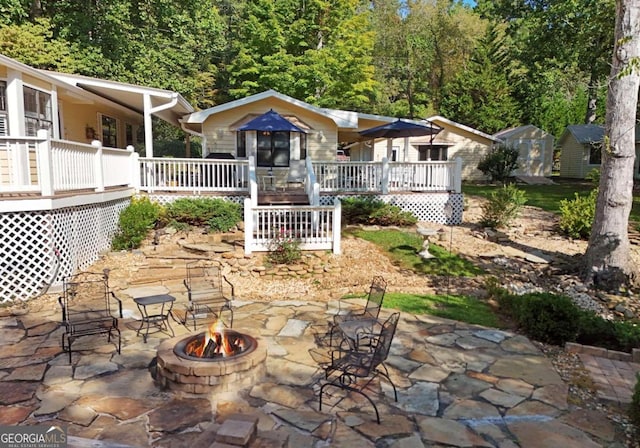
[[601, 352]]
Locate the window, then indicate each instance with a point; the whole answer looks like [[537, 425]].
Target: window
[[595, 153], [273, 148], [433, 152], [128, 130], [37, 111], [241, 144], [109, 131], [394, 153], [303, 146], [4, 125]]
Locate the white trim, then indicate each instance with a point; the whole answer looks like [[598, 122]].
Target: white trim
[[55, 203], [341, 118], [440, 118]]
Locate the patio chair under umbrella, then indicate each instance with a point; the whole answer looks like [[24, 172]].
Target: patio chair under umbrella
[[399, 129], [270, 121]]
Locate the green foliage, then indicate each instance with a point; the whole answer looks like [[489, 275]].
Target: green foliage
[[576, 215], [134, 223], [375, 212], [634, 407], [403, 248], [593, 176], [549, 318], [504, 205], [284, 249], [219, 215], [499, 163]]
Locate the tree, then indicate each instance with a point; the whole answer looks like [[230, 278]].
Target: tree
[[481, 96], [607, 259]]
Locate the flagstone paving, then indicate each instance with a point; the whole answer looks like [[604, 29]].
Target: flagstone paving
[[458, 385]]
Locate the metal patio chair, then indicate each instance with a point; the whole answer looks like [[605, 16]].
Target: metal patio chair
[[354, 368], [210, 294], [87, 303]]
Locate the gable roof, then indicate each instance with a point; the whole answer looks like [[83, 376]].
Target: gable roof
[[584, 133], [165, 104], [509, 132], [342, 118], [441, 119]]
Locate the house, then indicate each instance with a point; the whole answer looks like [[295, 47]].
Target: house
[[67, 168], [535, 148], [454, 140], [581, 145]]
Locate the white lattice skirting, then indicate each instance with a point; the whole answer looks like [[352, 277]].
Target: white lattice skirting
[[428, 207], [31, 241]]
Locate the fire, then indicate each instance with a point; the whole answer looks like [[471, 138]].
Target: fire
[[215, 342]]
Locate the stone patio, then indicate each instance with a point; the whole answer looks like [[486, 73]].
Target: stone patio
[[458, 385]]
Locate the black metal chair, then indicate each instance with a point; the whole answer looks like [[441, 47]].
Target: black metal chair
[[354, 368], [344, 323], [86, 303], [210, 294], [371, 309]]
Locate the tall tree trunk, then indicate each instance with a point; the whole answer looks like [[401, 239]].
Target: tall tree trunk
[[592, 99], [608, 262]]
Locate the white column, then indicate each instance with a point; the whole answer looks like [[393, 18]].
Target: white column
[[98, 165], [248, 226], [43, 154], [15, 103], [337, 226], [457, 176], [385, 175], [148, 126]]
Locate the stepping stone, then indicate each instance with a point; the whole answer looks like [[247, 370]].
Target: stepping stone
[[238, 430]]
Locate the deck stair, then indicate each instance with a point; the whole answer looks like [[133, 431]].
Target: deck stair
[[286, 197]]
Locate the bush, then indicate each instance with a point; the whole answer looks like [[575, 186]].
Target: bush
[[549, 318], [219, 215], [284, 249], [499, 163], [375, 212], [504, 205], [576, 215], [134, 223]]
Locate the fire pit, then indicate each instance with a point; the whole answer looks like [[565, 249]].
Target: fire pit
[[217, 360]]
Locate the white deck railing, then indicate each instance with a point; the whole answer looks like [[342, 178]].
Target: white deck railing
[[315, 227], [46, 166], [174, 174]]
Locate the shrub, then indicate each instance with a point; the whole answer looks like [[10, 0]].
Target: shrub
[[134, 223], [548, 317], [375, 212], [634, 407], [219, 215], [576, 215], [284, 249], [503, 206], [499, 163]]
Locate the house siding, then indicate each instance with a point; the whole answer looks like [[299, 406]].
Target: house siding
[[322, 138], [536, 150], [572, 158]]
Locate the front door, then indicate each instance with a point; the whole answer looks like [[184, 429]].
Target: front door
[[274, 149]]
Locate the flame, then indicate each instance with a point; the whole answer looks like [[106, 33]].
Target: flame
[[225, 344]]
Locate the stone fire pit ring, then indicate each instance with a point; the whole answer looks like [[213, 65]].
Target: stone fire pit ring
[[205, 377]]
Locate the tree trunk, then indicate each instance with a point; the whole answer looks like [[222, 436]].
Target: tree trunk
[[608, 262]]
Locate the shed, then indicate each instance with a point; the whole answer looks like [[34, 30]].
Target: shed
[[535, 148], [580, 149]]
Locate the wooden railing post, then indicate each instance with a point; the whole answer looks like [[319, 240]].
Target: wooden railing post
[[45, 165], [248, 226], [385, 176], [337, 226], [457, 176], [98, 165]]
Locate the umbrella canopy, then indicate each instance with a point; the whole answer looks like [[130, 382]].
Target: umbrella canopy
[[399, 129], [270, 121]]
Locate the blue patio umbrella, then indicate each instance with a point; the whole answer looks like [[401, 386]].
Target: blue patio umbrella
[[399, 129], [270, 121]]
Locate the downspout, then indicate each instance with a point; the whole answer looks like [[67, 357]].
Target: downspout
[[148, 111]]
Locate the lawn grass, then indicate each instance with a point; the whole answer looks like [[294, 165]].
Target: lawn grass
[[548, 197], [403, 248]]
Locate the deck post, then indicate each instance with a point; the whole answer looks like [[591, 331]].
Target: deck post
[[45, 165], [457, 176], [337, 226], [135, 171], [97, 165], [248, 226], [385, 175]]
